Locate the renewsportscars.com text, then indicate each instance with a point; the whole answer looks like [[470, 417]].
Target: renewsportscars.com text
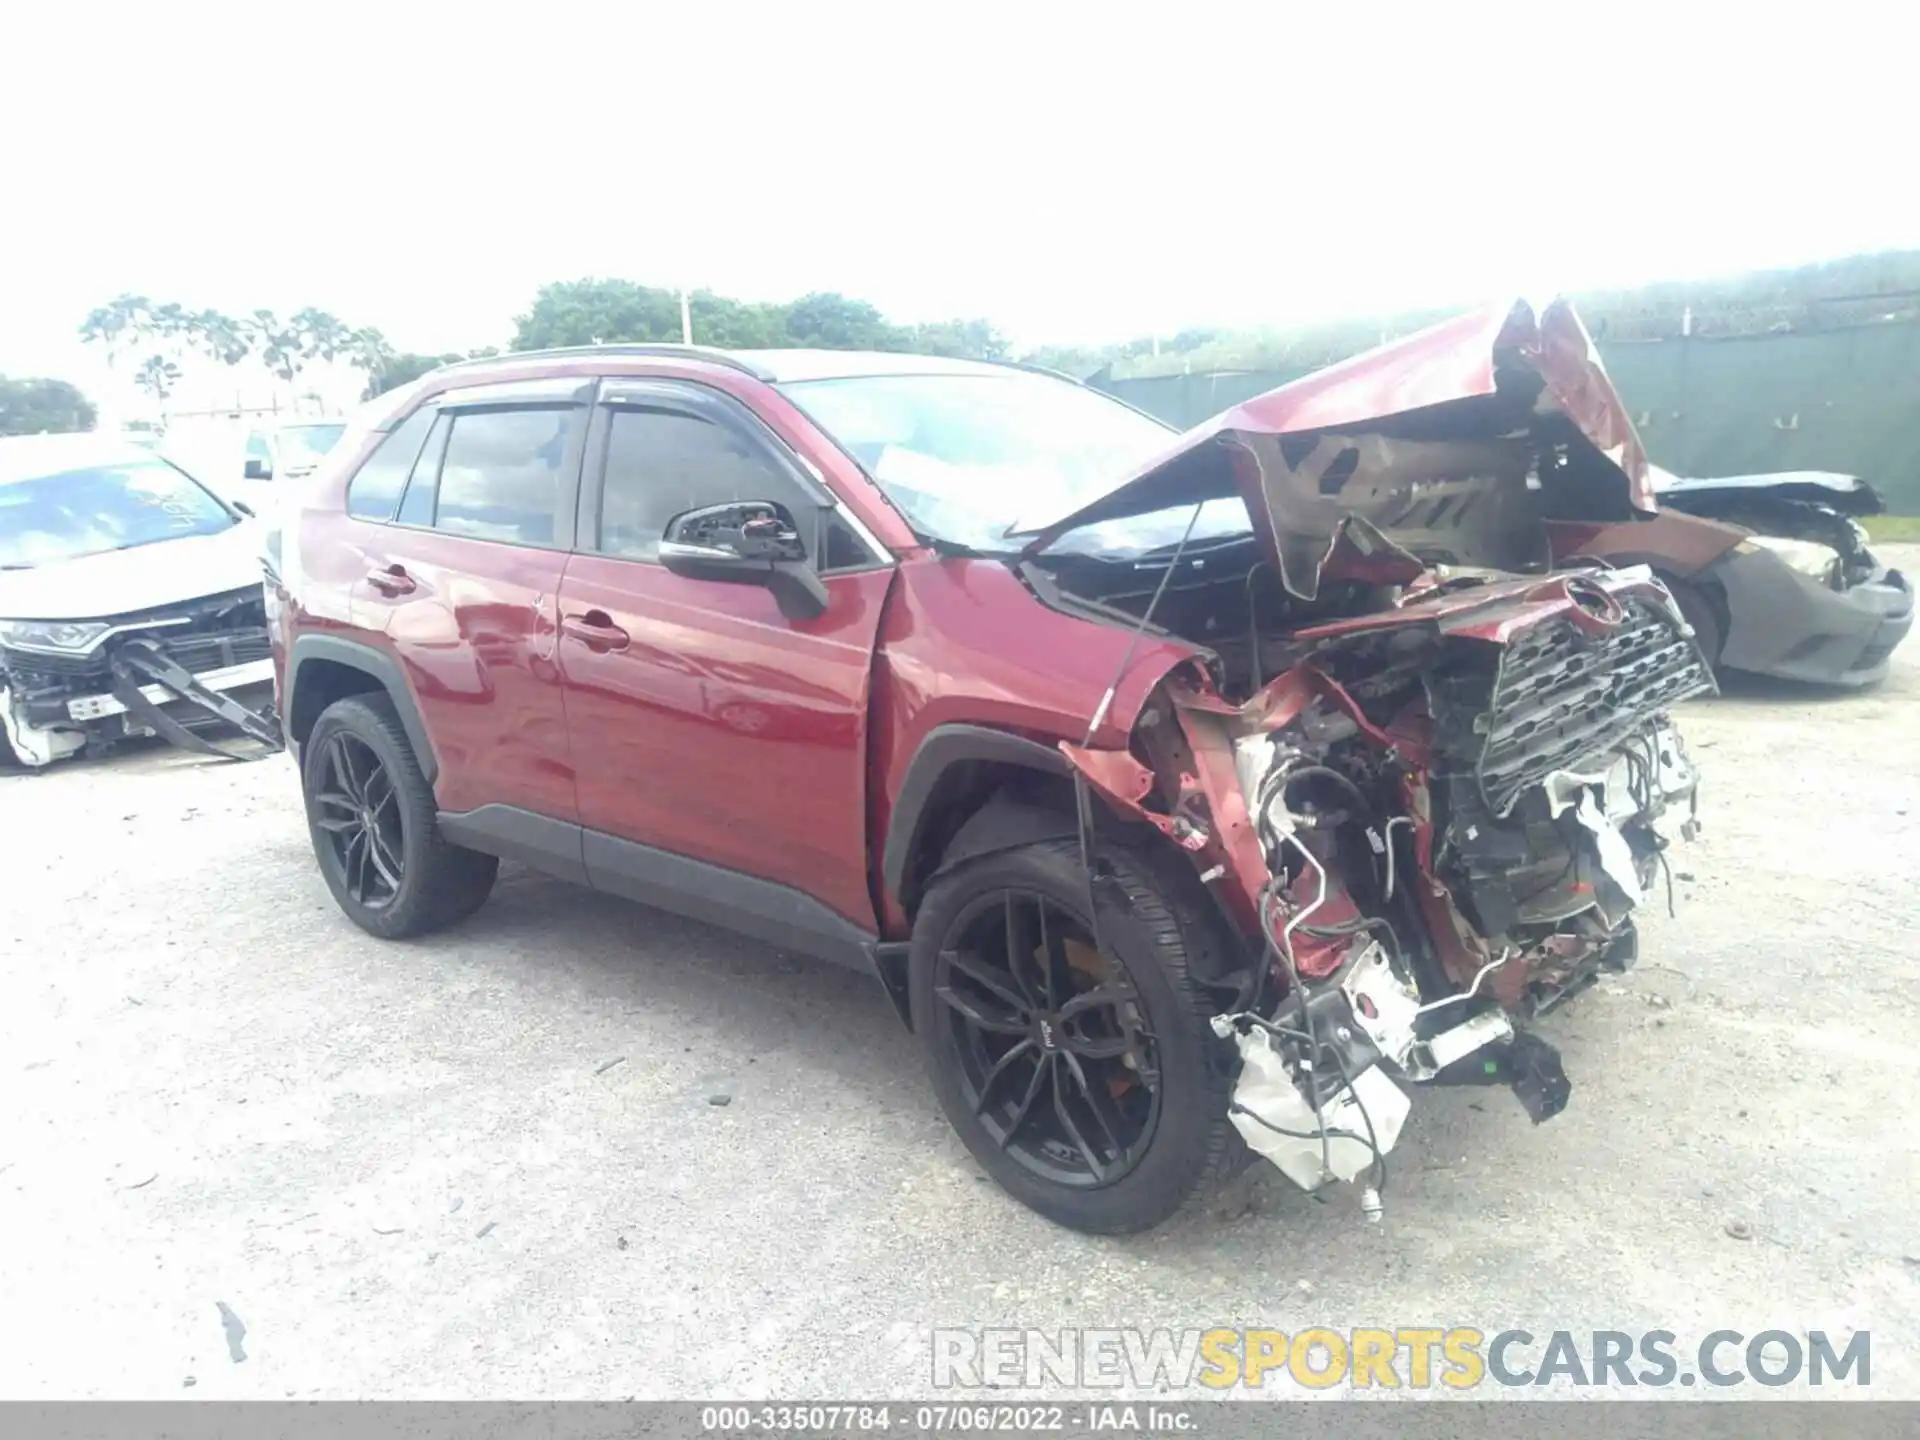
[[1406, 1357]]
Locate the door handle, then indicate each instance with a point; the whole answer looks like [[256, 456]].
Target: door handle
[[393, 580], [595, 630]]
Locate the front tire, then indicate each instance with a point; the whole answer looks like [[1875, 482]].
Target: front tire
[[1086, 1081], [1698, 610], [373, 821]]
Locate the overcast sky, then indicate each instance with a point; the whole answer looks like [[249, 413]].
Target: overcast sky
[[1069, 172]]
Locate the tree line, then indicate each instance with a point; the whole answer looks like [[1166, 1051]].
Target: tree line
[[596, 311], [40, 406], [152, 342]]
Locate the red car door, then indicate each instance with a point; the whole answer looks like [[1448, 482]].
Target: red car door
[[464, 580], [720, 746]]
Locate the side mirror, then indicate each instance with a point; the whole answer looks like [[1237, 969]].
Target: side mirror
[[244, 508], [257, 469], [749, 542]]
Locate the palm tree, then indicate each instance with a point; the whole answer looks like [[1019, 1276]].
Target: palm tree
[[157, 376], [222, 338], [119, 326], [277, 345], [367, 350], [321, 336], [171, 331]]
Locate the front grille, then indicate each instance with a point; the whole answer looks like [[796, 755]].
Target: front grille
[[216, 652], [57, 667], [1563, 697], [202, 635]]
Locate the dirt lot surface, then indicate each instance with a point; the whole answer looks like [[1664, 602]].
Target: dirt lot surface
[[492, 1164]]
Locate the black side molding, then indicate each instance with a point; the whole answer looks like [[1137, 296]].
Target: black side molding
[[373, 662], [554, 846], [945, 746], [777, 914], [745, 904]]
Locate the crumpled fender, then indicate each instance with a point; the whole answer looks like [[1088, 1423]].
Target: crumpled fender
[[1208, 816]]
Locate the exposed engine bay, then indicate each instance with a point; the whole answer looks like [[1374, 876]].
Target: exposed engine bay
[[1437, 822], [179, 672]]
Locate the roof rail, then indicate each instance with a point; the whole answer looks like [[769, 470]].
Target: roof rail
[[664, 351], [1034, 369]]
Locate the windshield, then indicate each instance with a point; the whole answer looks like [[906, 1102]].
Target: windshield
[[969, 456], [108, 507], [302, 443]]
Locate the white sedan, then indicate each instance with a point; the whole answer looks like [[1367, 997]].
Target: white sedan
[[130, 602]]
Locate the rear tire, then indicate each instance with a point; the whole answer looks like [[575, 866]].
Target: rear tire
[[375, 834], [1110, 1143]]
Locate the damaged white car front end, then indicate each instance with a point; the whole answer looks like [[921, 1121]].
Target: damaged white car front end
[[130, 604]]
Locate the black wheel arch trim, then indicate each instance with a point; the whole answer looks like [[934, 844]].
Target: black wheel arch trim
[[1006, 823], [944, 747], [378, 665]]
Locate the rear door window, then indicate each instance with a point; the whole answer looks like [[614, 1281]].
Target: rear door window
[[375, 490], [503, 473]]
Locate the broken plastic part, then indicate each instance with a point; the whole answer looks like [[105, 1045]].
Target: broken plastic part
[[1537, 1076], [35, 745], [144, 661], [1526, 1063], [1277, 1121]]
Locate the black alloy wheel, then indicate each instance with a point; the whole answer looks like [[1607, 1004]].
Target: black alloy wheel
[[376, 829], [1054, 1056], [358, 811], [1084, 1078]]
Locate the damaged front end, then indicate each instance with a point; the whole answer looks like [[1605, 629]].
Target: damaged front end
[[1437, 825], [1434, 821], [195, 673]]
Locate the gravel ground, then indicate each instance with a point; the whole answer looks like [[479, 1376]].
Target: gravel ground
[[492, 1164]]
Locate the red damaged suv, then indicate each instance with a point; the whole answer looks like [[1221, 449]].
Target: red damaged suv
[[1191, 795]]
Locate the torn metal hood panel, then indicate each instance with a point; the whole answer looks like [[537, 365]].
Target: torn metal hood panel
[[1848, 494], [142, 578], [1437, 444]]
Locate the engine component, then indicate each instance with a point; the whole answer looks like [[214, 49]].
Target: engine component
[[1388, 1008], [1526, 1064]]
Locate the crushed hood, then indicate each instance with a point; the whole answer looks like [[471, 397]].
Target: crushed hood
[[146, 577], [1433, 446], [1847, 494]]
